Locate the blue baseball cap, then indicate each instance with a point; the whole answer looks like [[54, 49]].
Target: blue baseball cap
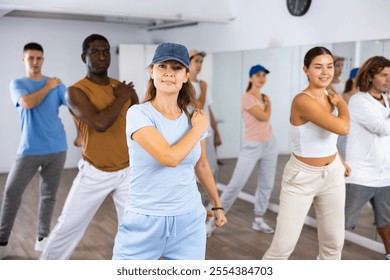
[[353, 73], [257, 68], [171, 51]]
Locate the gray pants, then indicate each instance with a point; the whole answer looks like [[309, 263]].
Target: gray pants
[[22, 171], [265, 154]]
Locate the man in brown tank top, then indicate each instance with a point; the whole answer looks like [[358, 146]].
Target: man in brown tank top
[[99, 105]]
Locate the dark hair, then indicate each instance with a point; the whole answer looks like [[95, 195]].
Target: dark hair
[[370, 68], [33, 46], [91, 38], [249, 86], [185, 99], [348, 86], [313, 53]]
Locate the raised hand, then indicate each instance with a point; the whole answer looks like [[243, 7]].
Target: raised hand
[[334, 98], [265, 99], [53, 82], [126, 91], [199, 120]]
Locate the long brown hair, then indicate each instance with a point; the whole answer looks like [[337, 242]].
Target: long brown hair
[[370, 68], [249, 86], [186, 99]]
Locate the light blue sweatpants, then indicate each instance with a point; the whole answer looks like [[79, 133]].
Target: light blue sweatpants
[[146, 237]]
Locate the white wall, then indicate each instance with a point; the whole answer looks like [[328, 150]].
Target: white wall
[[134, 60], [263, 24], [61, 41]]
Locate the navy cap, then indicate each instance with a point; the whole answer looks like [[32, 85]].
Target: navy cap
[[353, 73], [257, 68], [171, 51]]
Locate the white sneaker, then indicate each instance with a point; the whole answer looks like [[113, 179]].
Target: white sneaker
[[40, 244], [210, 227], [387, 257], [262, 226], [4, 252]]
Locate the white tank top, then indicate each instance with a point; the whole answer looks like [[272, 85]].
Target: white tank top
[[310, 140]]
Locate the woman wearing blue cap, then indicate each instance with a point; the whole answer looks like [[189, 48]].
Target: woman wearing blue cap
[[164, 216], [315, 172], [259, 148]]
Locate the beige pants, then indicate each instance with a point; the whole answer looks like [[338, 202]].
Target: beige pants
[[302, 186]]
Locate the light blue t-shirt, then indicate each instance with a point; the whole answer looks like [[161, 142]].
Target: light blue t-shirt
[[156, 189], [42, 132]]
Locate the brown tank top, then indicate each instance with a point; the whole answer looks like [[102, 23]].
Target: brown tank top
[[107, 150]]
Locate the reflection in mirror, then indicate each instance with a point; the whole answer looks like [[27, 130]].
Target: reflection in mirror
[[285, 80]]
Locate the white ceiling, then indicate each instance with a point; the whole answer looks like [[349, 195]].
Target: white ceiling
[[148, 14]]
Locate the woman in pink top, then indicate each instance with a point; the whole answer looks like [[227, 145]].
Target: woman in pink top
[[259, 148]]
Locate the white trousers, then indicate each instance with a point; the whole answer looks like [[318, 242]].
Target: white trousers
[[211, 155], [302, 186], [90, 188]]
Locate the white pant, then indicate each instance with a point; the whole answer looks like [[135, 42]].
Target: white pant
[[211, 155], [265, 154], [90, 188], [302, 186]]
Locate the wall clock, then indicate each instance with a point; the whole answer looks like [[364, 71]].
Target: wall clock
[[298, 7]]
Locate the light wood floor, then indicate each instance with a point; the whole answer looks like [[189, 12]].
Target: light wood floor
[[236, 241]]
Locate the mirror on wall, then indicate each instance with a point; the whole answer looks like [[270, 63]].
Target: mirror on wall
[[285, 80]]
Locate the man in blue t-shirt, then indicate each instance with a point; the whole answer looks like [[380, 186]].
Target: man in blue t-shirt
[[42, 145]]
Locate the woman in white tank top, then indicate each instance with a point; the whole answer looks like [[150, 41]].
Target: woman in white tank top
[[315, 173]]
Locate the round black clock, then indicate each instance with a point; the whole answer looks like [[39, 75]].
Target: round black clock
[[298, 7]]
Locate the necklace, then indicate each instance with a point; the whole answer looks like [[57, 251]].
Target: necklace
[[379, 99]]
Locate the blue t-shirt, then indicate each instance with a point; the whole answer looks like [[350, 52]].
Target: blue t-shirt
[[156, 189], [42, 132]]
